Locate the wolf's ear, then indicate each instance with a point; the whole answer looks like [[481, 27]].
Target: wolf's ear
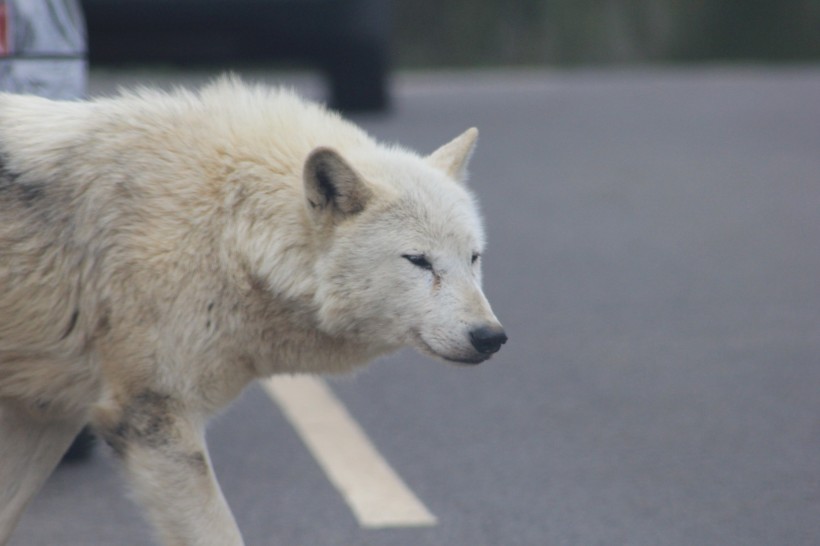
[[452, 158], [331, 184]]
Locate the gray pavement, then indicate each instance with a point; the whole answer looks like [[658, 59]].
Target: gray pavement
[[655, 256]]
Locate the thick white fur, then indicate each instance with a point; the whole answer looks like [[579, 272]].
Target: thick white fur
[[160, 251]]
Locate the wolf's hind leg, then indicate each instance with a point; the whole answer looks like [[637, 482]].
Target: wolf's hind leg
[[30, 448]]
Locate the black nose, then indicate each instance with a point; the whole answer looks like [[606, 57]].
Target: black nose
[[488, 340]]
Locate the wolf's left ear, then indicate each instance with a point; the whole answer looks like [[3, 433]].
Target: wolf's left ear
[[332, 184], [452, 158]]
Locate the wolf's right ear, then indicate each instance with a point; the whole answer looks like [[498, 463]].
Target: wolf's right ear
[[452, 158], [331, 184]]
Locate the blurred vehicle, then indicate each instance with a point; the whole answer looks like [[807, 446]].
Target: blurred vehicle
[[42, 48], [347, 40]]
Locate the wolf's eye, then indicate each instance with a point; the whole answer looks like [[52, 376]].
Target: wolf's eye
[[475, 257], [419, 260]]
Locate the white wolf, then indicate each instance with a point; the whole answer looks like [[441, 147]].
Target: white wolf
[[160, 251]]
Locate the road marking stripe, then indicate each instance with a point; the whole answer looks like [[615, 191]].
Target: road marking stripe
[[375, 493]]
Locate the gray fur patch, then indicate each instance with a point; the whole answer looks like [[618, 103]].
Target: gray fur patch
[[12, 186], [103, 323], [147, 420], [30, 193], [198, 462], [8, 178]]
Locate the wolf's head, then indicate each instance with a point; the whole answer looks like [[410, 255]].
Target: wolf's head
[[401, 239]]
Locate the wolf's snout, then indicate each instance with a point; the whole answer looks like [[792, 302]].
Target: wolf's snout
[[488, 339]]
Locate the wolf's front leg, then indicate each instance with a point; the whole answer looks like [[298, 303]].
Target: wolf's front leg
[[164, 452], [30, 448]]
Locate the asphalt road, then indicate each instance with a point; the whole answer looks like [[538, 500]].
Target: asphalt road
[[655, 256]]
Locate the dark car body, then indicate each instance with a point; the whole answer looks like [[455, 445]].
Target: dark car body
[[348, 40]]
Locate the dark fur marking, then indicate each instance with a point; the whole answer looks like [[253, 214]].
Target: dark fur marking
[[7, 176], [30, 193], [208, 321], [198, 462], [147, 420], [116, 439], [8, 179], [11, 185], [326, 185], [104, 323], [71, 323]]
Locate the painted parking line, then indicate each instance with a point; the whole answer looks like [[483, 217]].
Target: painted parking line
[[375, 493]]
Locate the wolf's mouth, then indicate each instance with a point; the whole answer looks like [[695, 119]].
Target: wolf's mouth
[[474, 358]]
